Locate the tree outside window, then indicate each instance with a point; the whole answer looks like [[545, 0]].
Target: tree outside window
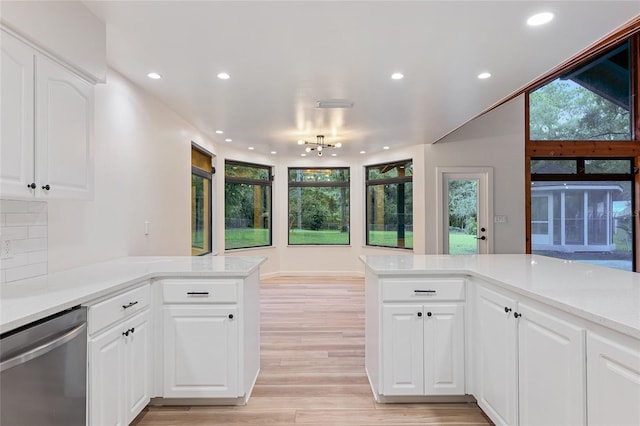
[[319, 206], [247, 209], [390, 204]]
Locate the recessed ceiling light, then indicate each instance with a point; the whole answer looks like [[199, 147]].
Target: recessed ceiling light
[[540, 19], [154, 75], [273, 152], [363, 152], [484, 75], [303, 155], [223, 76], [333, 155], [251, 148], [385, 147], [397, 76], [338, 145], [219, 132], [228, 140], [300, 142]]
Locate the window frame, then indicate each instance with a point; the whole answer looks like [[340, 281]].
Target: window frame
[[294, 184], [209, 176], [385, 181], [247, 181], [593, 149]]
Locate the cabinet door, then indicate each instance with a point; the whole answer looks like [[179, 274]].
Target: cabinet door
[[138, 364], [444, 349], [64, 127], [613, 377], [201, 351], [402, 354], [16, 118], [551, 366], [497, 367], [106, 379]]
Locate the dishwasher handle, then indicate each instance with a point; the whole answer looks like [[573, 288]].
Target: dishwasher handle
[[43, 349]]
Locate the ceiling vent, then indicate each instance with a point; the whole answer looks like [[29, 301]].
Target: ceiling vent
[[334, 103]]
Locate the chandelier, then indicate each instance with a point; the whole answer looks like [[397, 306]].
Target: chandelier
[[319, 145]]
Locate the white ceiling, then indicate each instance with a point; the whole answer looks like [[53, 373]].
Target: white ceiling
[[285, 56]]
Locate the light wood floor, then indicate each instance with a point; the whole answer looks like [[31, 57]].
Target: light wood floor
[[312, 367]]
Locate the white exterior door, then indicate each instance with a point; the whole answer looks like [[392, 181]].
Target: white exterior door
[[402, 353], [197, 366], [465, 213], [542, 219], [106, 380], [16, 118], [497, 370], [551, 366], [138, 368], [64, 120], [444, 349]]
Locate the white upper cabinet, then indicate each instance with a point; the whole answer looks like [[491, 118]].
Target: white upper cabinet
[[64, 127], [47, 127], [16, 117]]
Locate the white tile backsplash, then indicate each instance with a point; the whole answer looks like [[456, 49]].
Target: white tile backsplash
[[25, 225]]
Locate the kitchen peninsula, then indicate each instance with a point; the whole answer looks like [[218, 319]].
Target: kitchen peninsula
[[147, 318], [535, 340]]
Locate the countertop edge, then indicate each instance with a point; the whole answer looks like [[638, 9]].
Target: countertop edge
[[583, 314]]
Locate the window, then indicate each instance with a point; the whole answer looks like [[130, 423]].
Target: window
[[319, 206], [390, 204], [584, 216], [247, 205], [589, 102], [201, 171], [581, 156]]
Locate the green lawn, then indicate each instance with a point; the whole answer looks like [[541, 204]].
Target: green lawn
[[462, 244], [389, 239], [245, 237], [318, 237]]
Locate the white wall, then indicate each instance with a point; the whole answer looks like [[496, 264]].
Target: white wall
[[496, 140], [142, 173]]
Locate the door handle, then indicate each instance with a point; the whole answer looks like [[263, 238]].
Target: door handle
[[481, 238], [60, 340]]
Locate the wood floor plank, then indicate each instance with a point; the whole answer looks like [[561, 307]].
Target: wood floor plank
[[312, 367]]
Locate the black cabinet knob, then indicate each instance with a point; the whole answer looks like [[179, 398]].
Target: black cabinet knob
[[125, 333], [516, 315], [133, 329], [46, 187], [428, 314], [32, 185], [230, 316], [507, 310], [419, 314]]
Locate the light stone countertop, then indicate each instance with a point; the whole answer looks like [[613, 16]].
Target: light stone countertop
[[24, 301], [609, 297]]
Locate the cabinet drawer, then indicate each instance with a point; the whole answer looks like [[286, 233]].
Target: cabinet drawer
[[415, 289], [117, 307], [199, 291]]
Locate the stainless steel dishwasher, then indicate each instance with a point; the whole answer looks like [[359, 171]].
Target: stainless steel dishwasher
[[43, 372]]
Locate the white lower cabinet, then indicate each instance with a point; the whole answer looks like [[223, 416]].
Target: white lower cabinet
[[120, 358], [201, 351], [423, 349], [613, 374], [119, 362], [531, 363]]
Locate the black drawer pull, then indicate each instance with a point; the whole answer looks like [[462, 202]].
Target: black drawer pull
[[425, 291], [129, 305], [197, 293]]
